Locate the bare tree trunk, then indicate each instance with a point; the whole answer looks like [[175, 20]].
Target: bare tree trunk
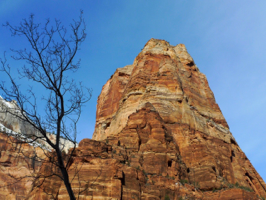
[[65, 175]]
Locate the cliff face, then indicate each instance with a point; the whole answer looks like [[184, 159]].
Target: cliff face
[[166, 77], [17, 167], [163, 113], [159, 134]]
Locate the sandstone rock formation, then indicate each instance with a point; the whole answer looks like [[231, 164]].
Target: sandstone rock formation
[[162, 111], [18, 165], [159, 134]]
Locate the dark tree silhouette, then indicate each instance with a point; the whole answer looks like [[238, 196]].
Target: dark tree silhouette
[[47, 63]]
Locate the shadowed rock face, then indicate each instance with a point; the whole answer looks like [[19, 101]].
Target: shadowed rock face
[[159, 134]]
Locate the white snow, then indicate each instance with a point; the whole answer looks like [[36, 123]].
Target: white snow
[[12, 107], [21, 137], [7, 104]]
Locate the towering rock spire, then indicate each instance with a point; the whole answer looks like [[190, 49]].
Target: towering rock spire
[[162, 109], [159, 134], [166, 77]]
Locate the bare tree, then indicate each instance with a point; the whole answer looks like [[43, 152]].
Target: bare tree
[[47, 63]]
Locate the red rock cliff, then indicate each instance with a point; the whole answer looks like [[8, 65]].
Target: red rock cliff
[[17, 167], [159, 134], [162, 110]]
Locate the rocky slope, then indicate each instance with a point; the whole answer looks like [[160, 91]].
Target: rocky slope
[[159, 134]]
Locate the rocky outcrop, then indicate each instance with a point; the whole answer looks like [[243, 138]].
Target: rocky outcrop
[[104, 171], [18, 164], [168, 78], [162, 111], [159, 134]]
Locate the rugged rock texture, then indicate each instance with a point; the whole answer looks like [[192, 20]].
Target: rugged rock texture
[[159, 134], [17, 167], [162, 111], [105, 171]]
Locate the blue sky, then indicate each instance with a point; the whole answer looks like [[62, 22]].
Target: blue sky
[[227, 40]]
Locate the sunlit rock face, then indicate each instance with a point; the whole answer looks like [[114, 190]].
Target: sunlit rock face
[[166, 77], [159, 134], [162, 111], [18, 166]]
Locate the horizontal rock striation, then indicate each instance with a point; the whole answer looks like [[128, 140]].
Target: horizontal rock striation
[[19, 163], [103, 170]]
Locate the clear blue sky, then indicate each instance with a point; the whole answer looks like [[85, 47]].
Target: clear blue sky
[[227, 40]]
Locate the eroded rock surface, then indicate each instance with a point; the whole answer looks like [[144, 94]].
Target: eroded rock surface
[[18, 165], [162, 111], [159, 134]]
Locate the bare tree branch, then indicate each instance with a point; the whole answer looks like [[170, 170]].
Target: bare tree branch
[[47, 63]]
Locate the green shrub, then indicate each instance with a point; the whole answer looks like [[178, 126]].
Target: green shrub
[[196, 184], [166, 197], [183, 181], [243, 187], [246, 188], [145, 173]]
